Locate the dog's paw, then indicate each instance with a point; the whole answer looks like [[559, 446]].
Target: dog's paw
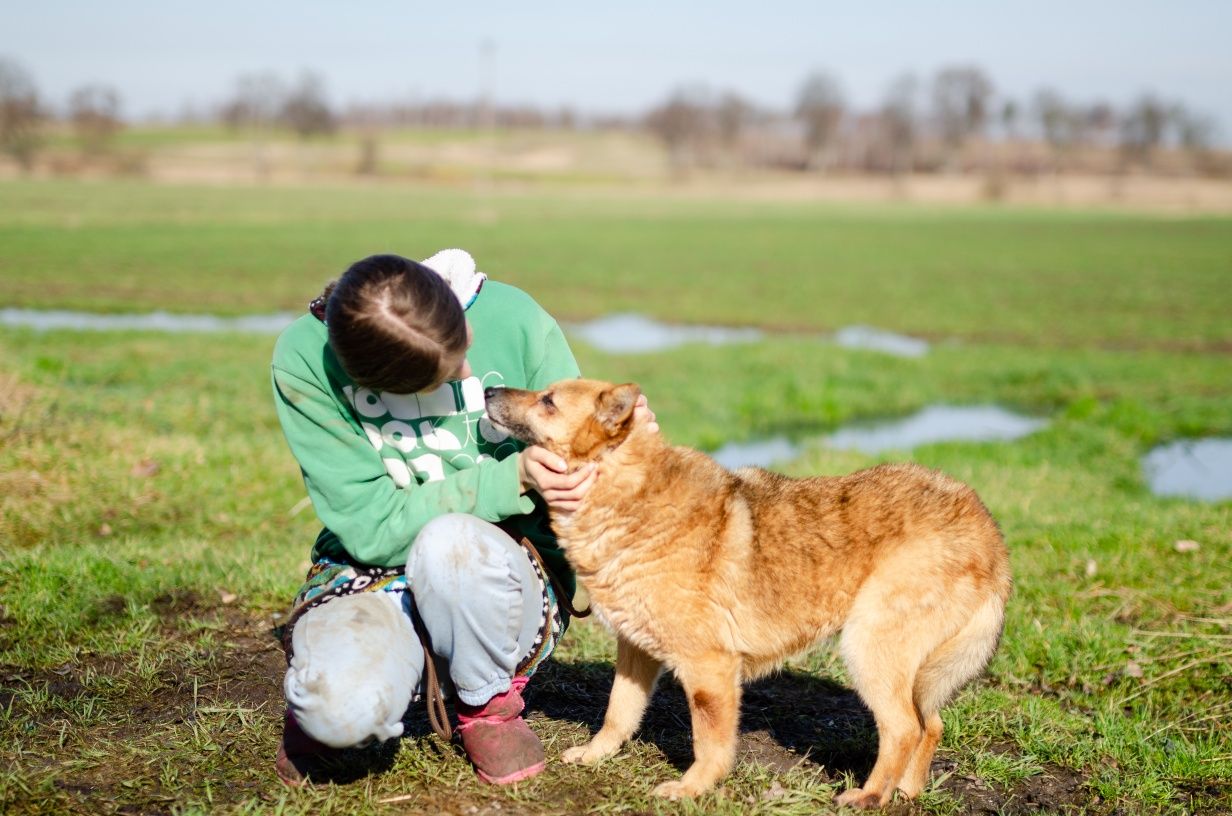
[[858, 798], [676, 789], [582, 755]]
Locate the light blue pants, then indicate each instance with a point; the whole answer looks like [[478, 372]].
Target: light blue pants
[[358, 663]]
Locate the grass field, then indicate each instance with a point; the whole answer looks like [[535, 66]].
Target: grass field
[[1031, 278], [153, 529]]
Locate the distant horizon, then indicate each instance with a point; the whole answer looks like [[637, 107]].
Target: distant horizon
[[608, 61]]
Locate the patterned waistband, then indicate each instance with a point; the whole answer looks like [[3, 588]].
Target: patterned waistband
[[329, 579]]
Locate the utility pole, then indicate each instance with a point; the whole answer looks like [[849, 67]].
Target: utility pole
[[487, 128]]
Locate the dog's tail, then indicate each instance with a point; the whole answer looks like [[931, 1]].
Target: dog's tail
[[960, 658]]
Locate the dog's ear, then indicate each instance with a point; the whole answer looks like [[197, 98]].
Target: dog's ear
[[616, 406]]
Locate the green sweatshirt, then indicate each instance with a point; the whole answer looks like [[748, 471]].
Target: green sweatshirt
[[379, 466]]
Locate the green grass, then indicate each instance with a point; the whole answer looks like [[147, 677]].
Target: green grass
[[1031, 278], [152, 528]]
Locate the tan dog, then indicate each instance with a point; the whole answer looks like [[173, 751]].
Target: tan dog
[[721, 575]]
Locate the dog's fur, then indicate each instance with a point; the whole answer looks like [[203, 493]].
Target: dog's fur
[[719, 576]]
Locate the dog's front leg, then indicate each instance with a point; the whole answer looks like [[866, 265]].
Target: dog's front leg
[[636, 674], [712, 685]]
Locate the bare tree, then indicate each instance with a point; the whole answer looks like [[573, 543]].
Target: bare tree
[[256, 103], [1195, 134], [1193, 130], [1143, 128], [685, 124], [305, 109], [1009, 119], [960, 105], [1059, 122], [369, 152], [733, 116], [901, 121], [21, 115], [819, 107], [258, 100], [1100, 121], [94, 111]]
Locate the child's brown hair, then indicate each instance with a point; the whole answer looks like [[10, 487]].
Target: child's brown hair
[[395, 325]]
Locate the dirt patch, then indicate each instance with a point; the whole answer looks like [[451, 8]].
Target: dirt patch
[[178, 603], [837, 738], [1056, 790], [61, 684], [245, 673], [791, 722], [87, 798], [1210, 796]]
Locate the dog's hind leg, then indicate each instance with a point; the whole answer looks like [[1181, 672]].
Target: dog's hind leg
[[712, 685], [944, 671], [915, 777], [883, 659], [636, 675]]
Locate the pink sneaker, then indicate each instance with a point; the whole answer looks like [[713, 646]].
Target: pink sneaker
[[498, 741]]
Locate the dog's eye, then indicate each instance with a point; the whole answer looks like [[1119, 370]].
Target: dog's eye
[[546, 399]]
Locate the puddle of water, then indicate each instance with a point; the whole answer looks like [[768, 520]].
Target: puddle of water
[[633, 334], [866, 337], [936, 423], [763, 453], [149, 321], [1191, 468], [614, 334]]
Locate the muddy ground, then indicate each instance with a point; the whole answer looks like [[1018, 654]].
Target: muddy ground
[[790, 721]]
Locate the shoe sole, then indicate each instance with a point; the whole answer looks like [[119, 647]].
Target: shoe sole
[[297, 781], [516, 776]]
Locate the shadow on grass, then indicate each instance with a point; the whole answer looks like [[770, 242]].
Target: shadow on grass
[[349, 766], [787, 718], [791, 719]]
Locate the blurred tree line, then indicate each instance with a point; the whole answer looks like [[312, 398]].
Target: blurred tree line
[[954, 121]]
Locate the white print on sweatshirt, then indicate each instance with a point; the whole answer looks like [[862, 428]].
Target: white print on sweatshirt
[[407, 429]]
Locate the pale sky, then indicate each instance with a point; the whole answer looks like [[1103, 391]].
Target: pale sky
[[620, 57]]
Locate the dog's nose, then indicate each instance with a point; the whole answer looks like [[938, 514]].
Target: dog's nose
[[488, 393]]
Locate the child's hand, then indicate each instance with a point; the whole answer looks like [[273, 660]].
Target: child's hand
[[641, 411], [545, 472]]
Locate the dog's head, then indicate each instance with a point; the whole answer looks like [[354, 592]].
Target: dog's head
[[577, 420]]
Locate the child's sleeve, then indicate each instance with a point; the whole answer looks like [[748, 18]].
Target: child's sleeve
[[357, 499]]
